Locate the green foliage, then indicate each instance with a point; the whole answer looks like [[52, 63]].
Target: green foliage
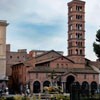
[[98, 36], [10, 98], [33, 98], [60, 97], [3, 98], [17, 97], [96, 44], [97, 49], [25, 98]]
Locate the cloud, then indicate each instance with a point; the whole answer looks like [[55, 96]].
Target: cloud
[[92, 25], [42, 24], [39, 22], [92, 13]]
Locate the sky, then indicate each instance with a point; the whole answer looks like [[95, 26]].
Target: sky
[[42, 24]]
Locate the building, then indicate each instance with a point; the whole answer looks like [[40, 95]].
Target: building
[[76, 31], [51, 67], [34, 53], [3, 77], [12, 58]]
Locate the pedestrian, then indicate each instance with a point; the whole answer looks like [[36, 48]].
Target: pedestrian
[[6, 91], [27, 92]]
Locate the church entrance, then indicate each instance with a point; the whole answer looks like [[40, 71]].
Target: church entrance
[[46, 83], [69, 80], [93, 87], [85, 88], [36, 87]]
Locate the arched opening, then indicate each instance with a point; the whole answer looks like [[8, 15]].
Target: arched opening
[[85, 88], [77, 85], [93, 87], [36, 87], [46, 83], [80, 52], [70, 79], [77, 51], [75, 91]]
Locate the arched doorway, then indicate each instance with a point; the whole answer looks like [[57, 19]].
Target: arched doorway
[[85, 88], [78, 85], [46, 83], [36, 87], [93, 87], [75, 91], [70, 79]]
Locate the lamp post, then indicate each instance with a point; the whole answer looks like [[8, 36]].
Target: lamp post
[[60, 85], [52, 77]]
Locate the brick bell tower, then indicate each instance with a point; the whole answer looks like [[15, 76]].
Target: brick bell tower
[[76, 31]]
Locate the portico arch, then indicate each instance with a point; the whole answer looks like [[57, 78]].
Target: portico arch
[[69, 80], [77, 85], [36, 87], [93, 87], [85, 87], [46, 83]]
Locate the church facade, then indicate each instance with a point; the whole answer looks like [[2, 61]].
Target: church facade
[[50, 67]]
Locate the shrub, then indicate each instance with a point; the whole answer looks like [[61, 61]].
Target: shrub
[[25, 98], [60, 97], [3, 98], [9, 98], [17, 97]]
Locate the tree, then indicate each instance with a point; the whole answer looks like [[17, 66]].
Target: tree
[[96, 45]]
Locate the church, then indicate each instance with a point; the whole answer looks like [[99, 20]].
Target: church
[[42, 68], [37, 70]]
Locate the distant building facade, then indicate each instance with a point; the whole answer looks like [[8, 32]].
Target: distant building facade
[[12, 58], [34, 53], [3, 78]]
